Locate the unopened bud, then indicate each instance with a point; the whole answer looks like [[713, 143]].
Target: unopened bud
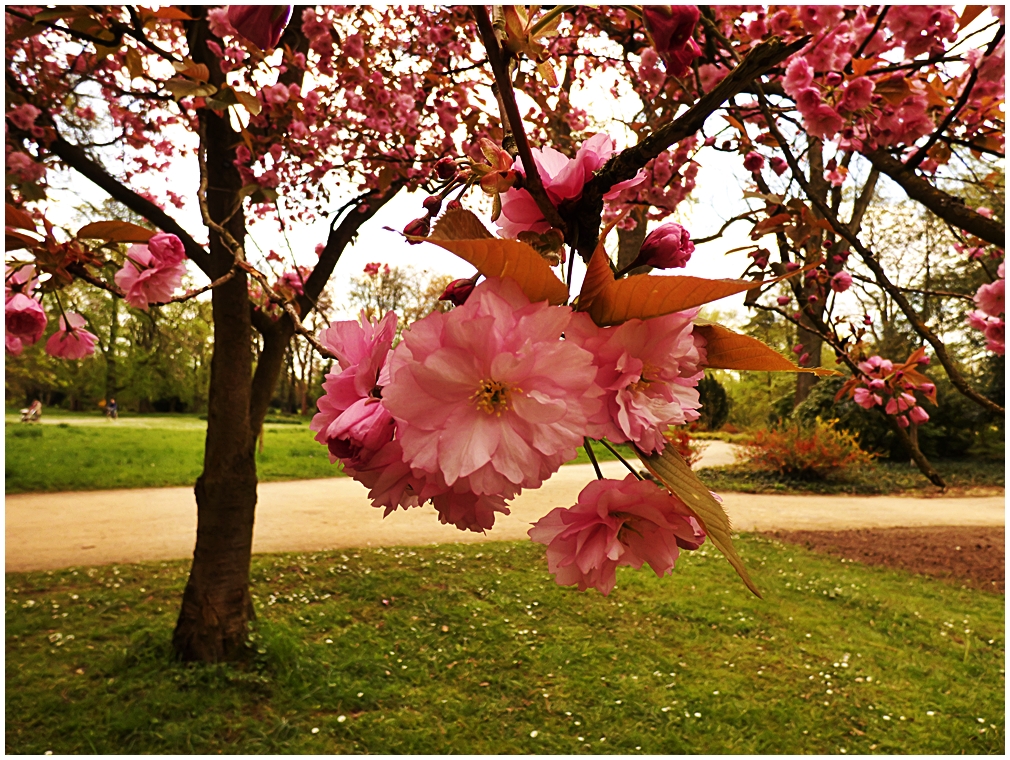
[[453, 205], [833, 79], [420, 227], [792, 266], [783, 300], [666, 247], [445, 168], [753, 161], [457, 291], [432, 204], [761, 262]]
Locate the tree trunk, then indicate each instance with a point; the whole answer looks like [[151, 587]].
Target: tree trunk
[[216, 605]]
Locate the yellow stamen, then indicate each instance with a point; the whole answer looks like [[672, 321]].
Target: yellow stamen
[[493, 396]]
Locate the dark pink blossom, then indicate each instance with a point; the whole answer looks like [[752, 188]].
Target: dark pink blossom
[[458, 291], [626, 522], [669, 246], [25, 321], [671, 28], [262, 25], [71, 341]]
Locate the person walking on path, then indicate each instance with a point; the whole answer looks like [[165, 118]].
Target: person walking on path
[[112, 410]]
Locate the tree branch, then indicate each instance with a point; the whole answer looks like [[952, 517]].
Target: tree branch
[[584, 215], [947, 207], [962, 101], [76, 158], [276, 335], [917, 324], [499, 65]]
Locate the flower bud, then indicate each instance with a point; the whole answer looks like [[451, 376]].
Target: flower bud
[[753, 161], [761, 262], [867, 320], [804, 359], [445, 168], [783, 300], [452, 205], [668, 246], [457, 291], [432, 204], [834, 79], [779, 165], [420, 227], [262, 25], [792, 266], [918, 415]]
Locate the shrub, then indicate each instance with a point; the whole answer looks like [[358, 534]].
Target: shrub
[[806, 453], [715, 403], [685, 445]]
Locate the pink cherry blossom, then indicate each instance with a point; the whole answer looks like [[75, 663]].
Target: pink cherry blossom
[[649, 371], [991, 297], [616, 522], [799, 76], [71, 341], [145, 279], [488, 393], [262, 25], [995, 336], [671, 27], [841, 282], [23, 116], [919, 415], [858, 94], [563, 179], [779, 165], [468, 511], [666, 247], [19, 280], [25, 321], [352, 422], [865, 399], [167, 249]]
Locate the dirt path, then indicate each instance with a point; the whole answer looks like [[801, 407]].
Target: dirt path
[[46, 531]]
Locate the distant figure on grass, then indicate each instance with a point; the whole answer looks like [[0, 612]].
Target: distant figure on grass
[[112, 410], [33, 413]]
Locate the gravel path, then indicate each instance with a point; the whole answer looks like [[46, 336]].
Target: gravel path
[[47, 531]]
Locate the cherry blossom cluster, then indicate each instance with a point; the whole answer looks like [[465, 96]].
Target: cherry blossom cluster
[[25, 320], [884, 385], [989, 315], [492, 397], [152, 272]]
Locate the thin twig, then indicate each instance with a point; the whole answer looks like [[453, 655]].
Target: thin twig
[[499, 67], [592, 457], [614, 451]]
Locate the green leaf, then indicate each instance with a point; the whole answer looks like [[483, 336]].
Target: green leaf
[[671, 469]]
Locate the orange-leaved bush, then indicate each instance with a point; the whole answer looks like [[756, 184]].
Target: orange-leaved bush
[[805, 452]]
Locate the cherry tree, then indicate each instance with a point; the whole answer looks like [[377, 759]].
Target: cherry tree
[[276, 106]]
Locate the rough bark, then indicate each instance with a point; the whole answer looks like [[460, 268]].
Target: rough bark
[[216, 605]]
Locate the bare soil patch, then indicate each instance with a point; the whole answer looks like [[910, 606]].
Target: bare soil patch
[[965, 556]]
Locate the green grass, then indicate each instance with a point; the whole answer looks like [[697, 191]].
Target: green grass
[[472, 649], [159, 452], [883, 477], [86, 452]]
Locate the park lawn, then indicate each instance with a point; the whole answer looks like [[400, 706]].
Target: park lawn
[[474, 649], [89, 453], [882, 477], [77, 457]]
